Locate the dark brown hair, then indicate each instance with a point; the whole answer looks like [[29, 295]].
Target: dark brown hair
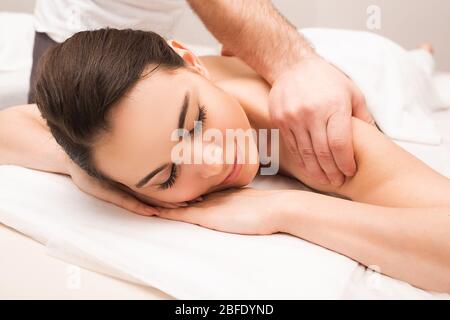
[[81, 79]]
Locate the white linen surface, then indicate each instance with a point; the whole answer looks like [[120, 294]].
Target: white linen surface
[[183, 260], [16, 47], [187, 261]]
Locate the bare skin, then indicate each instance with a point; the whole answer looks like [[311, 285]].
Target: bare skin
[[376, 181], [302, 84], [400, 221]]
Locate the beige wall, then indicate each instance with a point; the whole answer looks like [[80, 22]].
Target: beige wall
[[409, 22]]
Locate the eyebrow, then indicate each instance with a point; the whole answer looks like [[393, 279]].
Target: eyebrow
[[181, 123]]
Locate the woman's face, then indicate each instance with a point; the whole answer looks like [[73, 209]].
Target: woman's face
[[140, 142]]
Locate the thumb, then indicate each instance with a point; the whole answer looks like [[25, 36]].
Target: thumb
[[359, 108]]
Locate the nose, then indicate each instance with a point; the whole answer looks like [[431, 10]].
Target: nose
[[213, 163]]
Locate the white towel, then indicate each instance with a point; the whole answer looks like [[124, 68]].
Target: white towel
[[398, 86]]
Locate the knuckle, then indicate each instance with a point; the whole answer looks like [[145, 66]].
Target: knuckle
[[338, 144], [337, 102], [307, 152], [324, 156], [294, 151]]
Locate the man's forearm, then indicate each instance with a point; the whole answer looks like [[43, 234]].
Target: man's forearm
[[26, 141], [256, 32], [410, 244]]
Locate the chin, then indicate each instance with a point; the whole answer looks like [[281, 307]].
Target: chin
[[248, 174]]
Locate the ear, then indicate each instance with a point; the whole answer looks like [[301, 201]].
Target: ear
[[189, 57]]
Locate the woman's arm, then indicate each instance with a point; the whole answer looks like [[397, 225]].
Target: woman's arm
[[387, 175], [409, 244], [26, 141], [412, 245], [390, 176]]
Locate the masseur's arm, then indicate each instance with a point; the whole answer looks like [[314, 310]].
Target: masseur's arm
[[311, 101], [26, 141], [410, 244]]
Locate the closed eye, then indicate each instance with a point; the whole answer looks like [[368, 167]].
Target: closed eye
[[174, 170], [200, 120], [171, 180]]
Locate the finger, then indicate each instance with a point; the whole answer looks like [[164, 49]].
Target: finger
[[196, 200], [180, 204], [128, 202], [309, 157], [182, 214], [292, 146], [172, 205], [324, 155], [287, 135], [340, 140], [359, 107]]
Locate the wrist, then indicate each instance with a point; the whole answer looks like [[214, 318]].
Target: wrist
[[289, 65]]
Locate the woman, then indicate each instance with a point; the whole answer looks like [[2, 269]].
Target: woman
[[112, 99]]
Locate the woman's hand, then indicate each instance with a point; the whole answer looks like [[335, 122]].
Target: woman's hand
[[102, 191], [241, 211]]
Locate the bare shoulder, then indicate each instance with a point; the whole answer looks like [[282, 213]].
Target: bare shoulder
[[381, 162], [376, 158], [32, 111]]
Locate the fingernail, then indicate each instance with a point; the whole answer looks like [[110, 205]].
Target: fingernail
[[349, 173]]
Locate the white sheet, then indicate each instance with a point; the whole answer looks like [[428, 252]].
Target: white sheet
[[183, 260], [187, 261], [16, 47]]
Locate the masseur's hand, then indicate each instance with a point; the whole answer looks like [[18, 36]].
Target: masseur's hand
[[312, 104], [100, 190], [241, 211]]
